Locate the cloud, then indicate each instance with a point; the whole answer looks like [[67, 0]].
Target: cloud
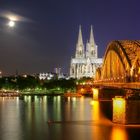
[[13, 16]]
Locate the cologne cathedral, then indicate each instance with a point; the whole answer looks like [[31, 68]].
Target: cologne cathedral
[[86, 60]]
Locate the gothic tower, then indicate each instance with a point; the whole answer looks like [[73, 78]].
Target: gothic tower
[[84, 63], [80, 52], [91, 47]]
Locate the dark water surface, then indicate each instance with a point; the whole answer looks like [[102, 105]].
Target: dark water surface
[[59, 118]]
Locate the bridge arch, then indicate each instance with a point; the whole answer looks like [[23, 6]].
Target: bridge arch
[[121, 61], [135, 69]]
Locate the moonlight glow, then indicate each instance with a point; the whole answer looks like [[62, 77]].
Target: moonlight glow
[[11, 23]]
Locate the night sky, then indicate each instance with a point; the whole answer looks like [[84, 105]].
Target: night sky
[[46, 31]]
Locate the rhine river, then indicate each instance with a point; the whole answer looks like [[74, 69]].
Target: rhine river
[[59, 118]]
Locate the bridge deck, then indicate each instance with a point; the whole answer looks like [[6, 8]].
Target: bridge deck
[[133, 85]]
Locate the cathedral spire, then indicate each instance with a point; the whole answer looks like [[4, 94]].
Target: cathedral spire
[[93, 47], [91, 40], [80, 52], [80, 38]]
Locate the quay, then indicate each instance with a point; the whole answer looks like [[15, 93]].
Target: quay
[[4, 93]]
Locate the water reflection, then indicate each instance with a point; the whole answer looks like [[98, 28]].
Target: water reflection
[[57, 108], [72, 119], [10, 118], [95, 110], [119, 133], [103, 125]]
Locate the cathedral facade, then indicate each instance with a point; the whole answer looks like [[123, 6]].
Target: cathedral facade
[[86, 60]]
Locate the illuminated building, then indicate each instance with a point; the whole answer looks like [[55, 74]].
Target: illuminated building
[[48, 76], [86, 60], [59, 73]]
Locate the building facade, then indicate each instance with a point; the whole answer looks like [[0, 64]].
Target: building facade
[[86, 60]]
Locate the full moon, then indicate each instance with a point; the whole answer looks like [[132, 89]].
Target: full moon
[[11, 23]]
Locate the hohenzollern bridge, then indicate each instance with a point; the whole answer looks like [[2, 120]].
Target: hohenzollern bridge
[[121, 65]]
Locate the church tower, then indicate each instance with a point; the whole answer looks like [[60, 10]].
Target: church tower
[[85, 63], [80, 52], [91, 47]]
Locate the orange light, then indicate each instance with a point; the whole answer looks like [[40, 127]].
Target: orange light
[[82, 90], [92, 102], [119, 106], [118, 134], [95, 93], [96, 110]]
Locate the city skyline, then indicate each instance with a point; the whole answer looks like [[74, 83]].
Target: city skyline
[[45, 33]]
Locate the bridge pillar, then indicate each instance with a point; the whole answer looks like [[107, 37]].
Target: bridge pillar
[[119, 110], [126, 111], [95, 92]]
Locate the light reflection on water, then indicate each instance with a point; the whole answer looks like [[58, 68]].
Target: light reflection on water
[[118, 133], [95, 110], [70, 119], [9, 121]]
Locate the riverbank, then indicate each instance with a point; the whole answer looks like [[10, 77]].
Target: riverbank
[[39, 93]]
